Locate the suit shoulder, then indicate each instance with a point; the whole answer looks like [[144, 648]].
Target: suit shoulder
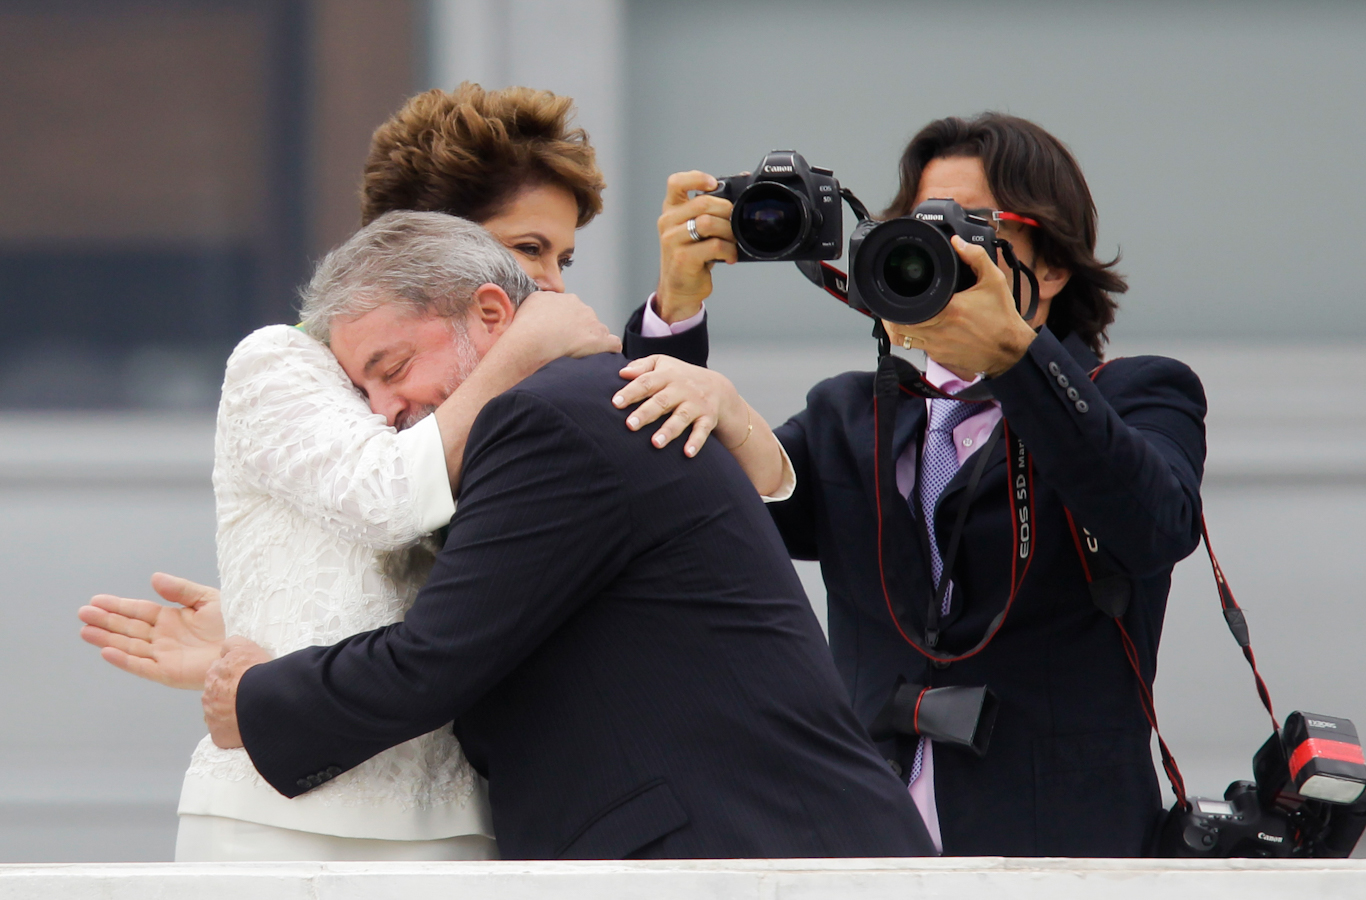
[[1153, 373], [576, 384], [841, 390], [574, 392]]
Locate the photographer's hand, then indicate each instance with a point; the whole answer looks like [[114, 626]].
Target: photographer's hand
[[685, 264], [708, 401], [981, 329]]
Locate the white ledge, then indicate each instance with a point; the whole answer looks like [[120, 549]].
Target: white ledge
[[859, 879]]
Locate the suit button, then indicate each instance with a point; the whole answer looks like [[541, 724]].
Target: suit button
[[1072, 394], [1054, 368], [333, 771], [1062, 381], [896, 767], [304, 783], [1082, 406]]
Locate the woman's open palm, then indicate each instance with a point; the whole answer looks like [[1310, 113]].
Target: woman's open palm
[[172, 645]]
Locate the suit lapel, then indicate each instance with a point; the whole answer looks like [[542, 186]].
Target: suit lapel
[[910, 423]]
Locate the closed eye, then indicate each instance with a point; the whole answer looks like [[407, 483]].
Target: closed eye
[[396, 373]]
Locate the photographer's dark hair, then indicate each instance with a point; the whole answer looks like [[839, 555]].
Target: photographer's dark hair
[[1032, 173]]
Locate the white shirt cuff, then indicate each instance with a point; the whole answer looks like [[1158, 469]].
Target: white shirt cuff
[[425, 457], [652, 326], [789, 482]]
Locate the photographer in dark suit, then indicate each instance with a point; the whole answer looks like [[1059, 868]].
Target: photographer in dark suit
[[1068, 771], [618, 634]]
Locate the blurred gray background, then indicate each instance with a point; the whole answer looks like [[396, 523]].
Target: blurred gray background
[[172, 166]]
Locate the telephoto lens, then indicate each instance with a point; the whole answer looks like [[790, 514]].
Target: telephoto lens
[[905, 270]]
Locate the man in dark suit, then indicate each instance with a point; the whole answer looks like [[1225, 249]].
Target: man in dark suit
[[1068, 771], [626, 651]]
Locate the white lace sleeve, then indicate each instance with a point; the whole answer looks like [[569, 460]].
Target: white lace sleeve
[[292, 426]]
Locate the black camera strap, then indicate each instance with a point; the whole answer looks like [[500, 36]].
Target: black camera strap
[[895, 377]]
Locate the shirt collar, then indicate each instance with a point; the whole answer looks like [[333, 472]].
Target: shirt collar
[[945, 380]]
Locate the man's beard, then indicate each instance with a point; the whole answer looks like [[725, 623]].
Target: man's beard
[[467, 357]]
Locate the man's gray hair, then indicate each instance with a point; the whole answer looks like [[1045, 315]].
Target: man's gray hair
[[429, 263]]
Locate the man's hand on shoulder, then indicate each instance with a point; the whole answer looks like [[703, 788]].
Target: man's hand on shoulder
[[220, 689]]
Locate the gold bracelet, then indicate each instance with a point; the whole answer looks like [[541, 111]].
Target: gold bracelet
[[749, 420]]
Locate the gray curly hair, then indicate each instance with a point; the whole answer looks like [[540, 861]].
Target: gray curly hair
[[429, 262]]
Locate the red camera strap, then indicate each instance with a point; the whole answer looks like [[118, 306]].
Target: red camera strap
[[1109, 586], [894, 377], [1097, 564]]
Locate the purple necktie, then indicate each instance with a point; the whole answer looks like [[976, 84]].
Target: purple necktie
[[938, 465]]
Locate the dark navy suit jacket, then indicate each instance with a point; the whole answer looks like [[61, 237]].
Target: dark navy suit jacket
[[627, 653], [1069, 770]]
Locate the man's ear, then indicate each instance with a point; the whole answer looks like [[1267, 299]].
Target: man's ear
[[1051, 280], [492, 309]]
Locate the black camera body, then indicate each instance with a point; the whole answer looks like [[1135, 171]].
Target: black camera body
[[905, 270], [1274, 817], [785, 210], [1236, 826]]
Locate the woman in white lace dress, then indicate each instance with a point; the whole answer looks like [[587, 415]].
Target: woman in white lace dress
[[323, 504]]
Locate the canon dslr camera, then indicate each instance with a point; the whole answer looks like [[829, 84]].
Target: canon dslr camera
[[905, 270], [1307, 800], [786, 210]]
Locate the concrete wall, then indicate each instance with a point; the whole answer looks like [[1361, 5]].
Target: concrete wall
[[870, 879]]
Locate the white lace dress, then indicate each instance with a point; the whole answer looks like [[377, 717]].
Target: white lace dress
[[322, 509]]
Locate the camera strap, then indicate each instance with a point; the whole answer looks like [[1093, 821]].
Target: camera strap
[[1111, 589], [895, 377]]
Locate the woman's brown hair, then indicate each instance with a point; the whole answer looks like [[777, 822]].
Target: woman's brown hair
[[1032, 173], [468, 152]]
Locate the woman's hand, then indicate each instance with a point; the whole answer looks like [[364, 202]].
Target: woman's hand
[[980, 330], [171, 645], [693, 395], [685, 264], [708, 402], [549, 325]]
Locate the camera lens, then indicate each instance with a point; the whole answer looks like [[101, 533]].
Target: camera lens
[[908, 270], [769, 219], [903, 270]]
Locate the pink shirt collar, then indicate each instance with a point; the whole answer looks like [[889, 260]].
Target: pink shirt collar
[[967, 437]]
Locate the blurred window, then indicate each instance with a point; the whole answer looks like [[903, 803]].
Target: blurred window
[[153, 208]]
